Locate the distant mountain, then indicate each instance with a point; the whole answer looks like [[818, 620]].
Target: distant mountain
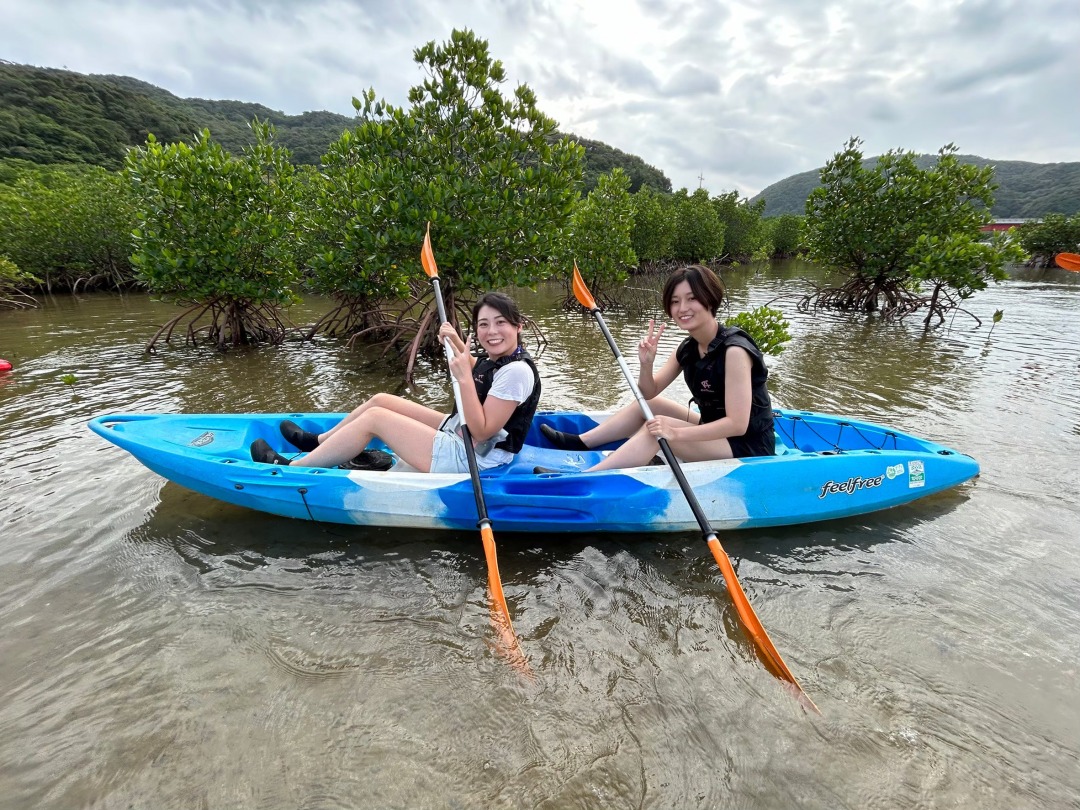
[[1025, 190], [601, 159], [57, 116]]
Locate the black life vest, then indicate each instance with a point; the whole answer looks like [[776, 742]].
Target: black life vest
[[520, 420], [704, 376]]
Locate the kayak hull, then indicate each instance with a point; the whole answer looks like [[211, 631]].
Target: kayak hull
[[827, 467]]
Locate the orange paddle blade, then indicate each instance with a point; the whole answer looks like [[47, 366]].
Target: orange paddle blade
[[427, 258], [767, 652], [499, 609], [494, 580], [1068, 261], [581, 292]]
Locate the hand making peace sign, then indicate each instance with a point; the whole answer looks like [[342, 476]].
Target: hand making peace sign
[[646, 350]]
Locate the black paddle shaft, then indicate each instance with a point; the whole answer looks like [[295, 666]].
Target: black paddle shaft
[[673, 463], [466, 438]]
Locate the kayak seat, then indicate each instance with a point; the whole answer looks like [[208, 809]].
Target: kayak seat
[[563, 460], [783, 449]]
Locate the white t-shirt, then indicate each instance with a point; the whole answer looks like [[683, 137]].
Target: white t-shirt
[[512, 383]]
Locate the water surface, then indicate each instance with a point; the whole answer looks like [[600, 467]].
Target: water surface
[[162, 649]]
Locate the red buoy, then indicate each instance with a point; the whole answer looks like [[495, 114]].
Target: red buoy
[[5, 365]]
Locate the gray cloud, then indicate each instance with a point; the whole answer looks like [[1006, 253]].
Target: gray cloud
[[741, 93], [691, 81]]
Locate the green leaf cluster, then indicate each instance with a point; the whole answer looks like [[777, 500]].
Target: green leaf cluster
[[894, 228], [1025, 189], [955, 266], [364, 248], [653, 233], [694, 227], [745, 233], [599, 235], [868, 220], [767, 326], [1056, 234], [11, 279], [480, 165], [66, 226], [699, 232], [214, 226], [786, 234]]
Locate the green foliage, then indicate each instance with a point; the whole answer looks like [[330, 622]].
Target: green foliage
[[786, 234], [217, 229], [699, 233], [12, 279], [497, 190], [356, 214], [745, 233], [653, 233], [601, 159], [998, 315], [10, 273], [599, 235], [66, 226], [1055, 234], [1025, 190], [956, 265], [888, 228], [480, 166], [68, 379], [56, 116], [768, 327]]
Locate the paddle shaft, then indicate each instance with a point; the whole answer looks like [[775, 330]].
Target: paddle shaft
[[695, 507], [767, 651], [470, 452], [691, 498], [500, 610]]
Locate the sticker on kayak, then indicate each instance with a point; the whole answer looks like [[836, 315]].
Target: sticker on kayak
[[203, 440], [894, 470], [916, 476], [850, 486]]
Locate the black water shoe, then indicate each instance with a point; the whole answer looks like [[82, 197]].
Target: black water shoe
[[298, 437], [264, 454], [370, 460], [563, 441]]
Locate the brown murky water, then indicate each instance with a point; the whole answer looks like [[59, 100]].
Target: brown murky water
[[160, 649]]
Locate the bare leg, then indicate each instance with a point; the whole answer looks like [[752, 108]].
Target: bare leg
[[626, 421], [641, 447], [411, 439], [405, 407]]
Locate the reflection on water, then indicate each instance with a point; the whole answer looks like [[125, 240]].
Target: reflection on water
[[157, 643]]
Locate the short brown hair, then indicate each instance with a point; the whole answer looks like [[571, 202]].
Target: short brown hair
[[704, 284]]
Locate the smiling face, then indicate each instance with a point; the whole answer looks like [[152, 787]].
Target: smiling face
[[497, 335], [686, 310]]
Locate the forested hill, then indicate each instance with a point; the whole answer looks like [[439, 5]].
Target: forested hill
[[601, 158], [49, 115], [1025, 190]]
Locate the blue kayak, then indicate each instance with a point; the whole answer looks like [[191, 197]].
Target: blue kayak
[[825, 467]]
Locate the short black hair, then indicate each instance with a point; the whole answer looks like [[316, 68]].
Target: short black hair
[[704, 284]]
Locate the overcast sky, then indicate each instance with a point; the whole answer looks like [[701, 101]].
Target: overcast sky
[[740, 93]]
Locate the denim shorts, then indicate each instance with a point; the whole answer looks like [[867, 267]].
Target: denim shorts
[[448, 455]]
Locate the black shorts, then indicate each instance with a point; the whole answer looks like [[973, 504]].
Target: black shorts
[[756, 444]]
